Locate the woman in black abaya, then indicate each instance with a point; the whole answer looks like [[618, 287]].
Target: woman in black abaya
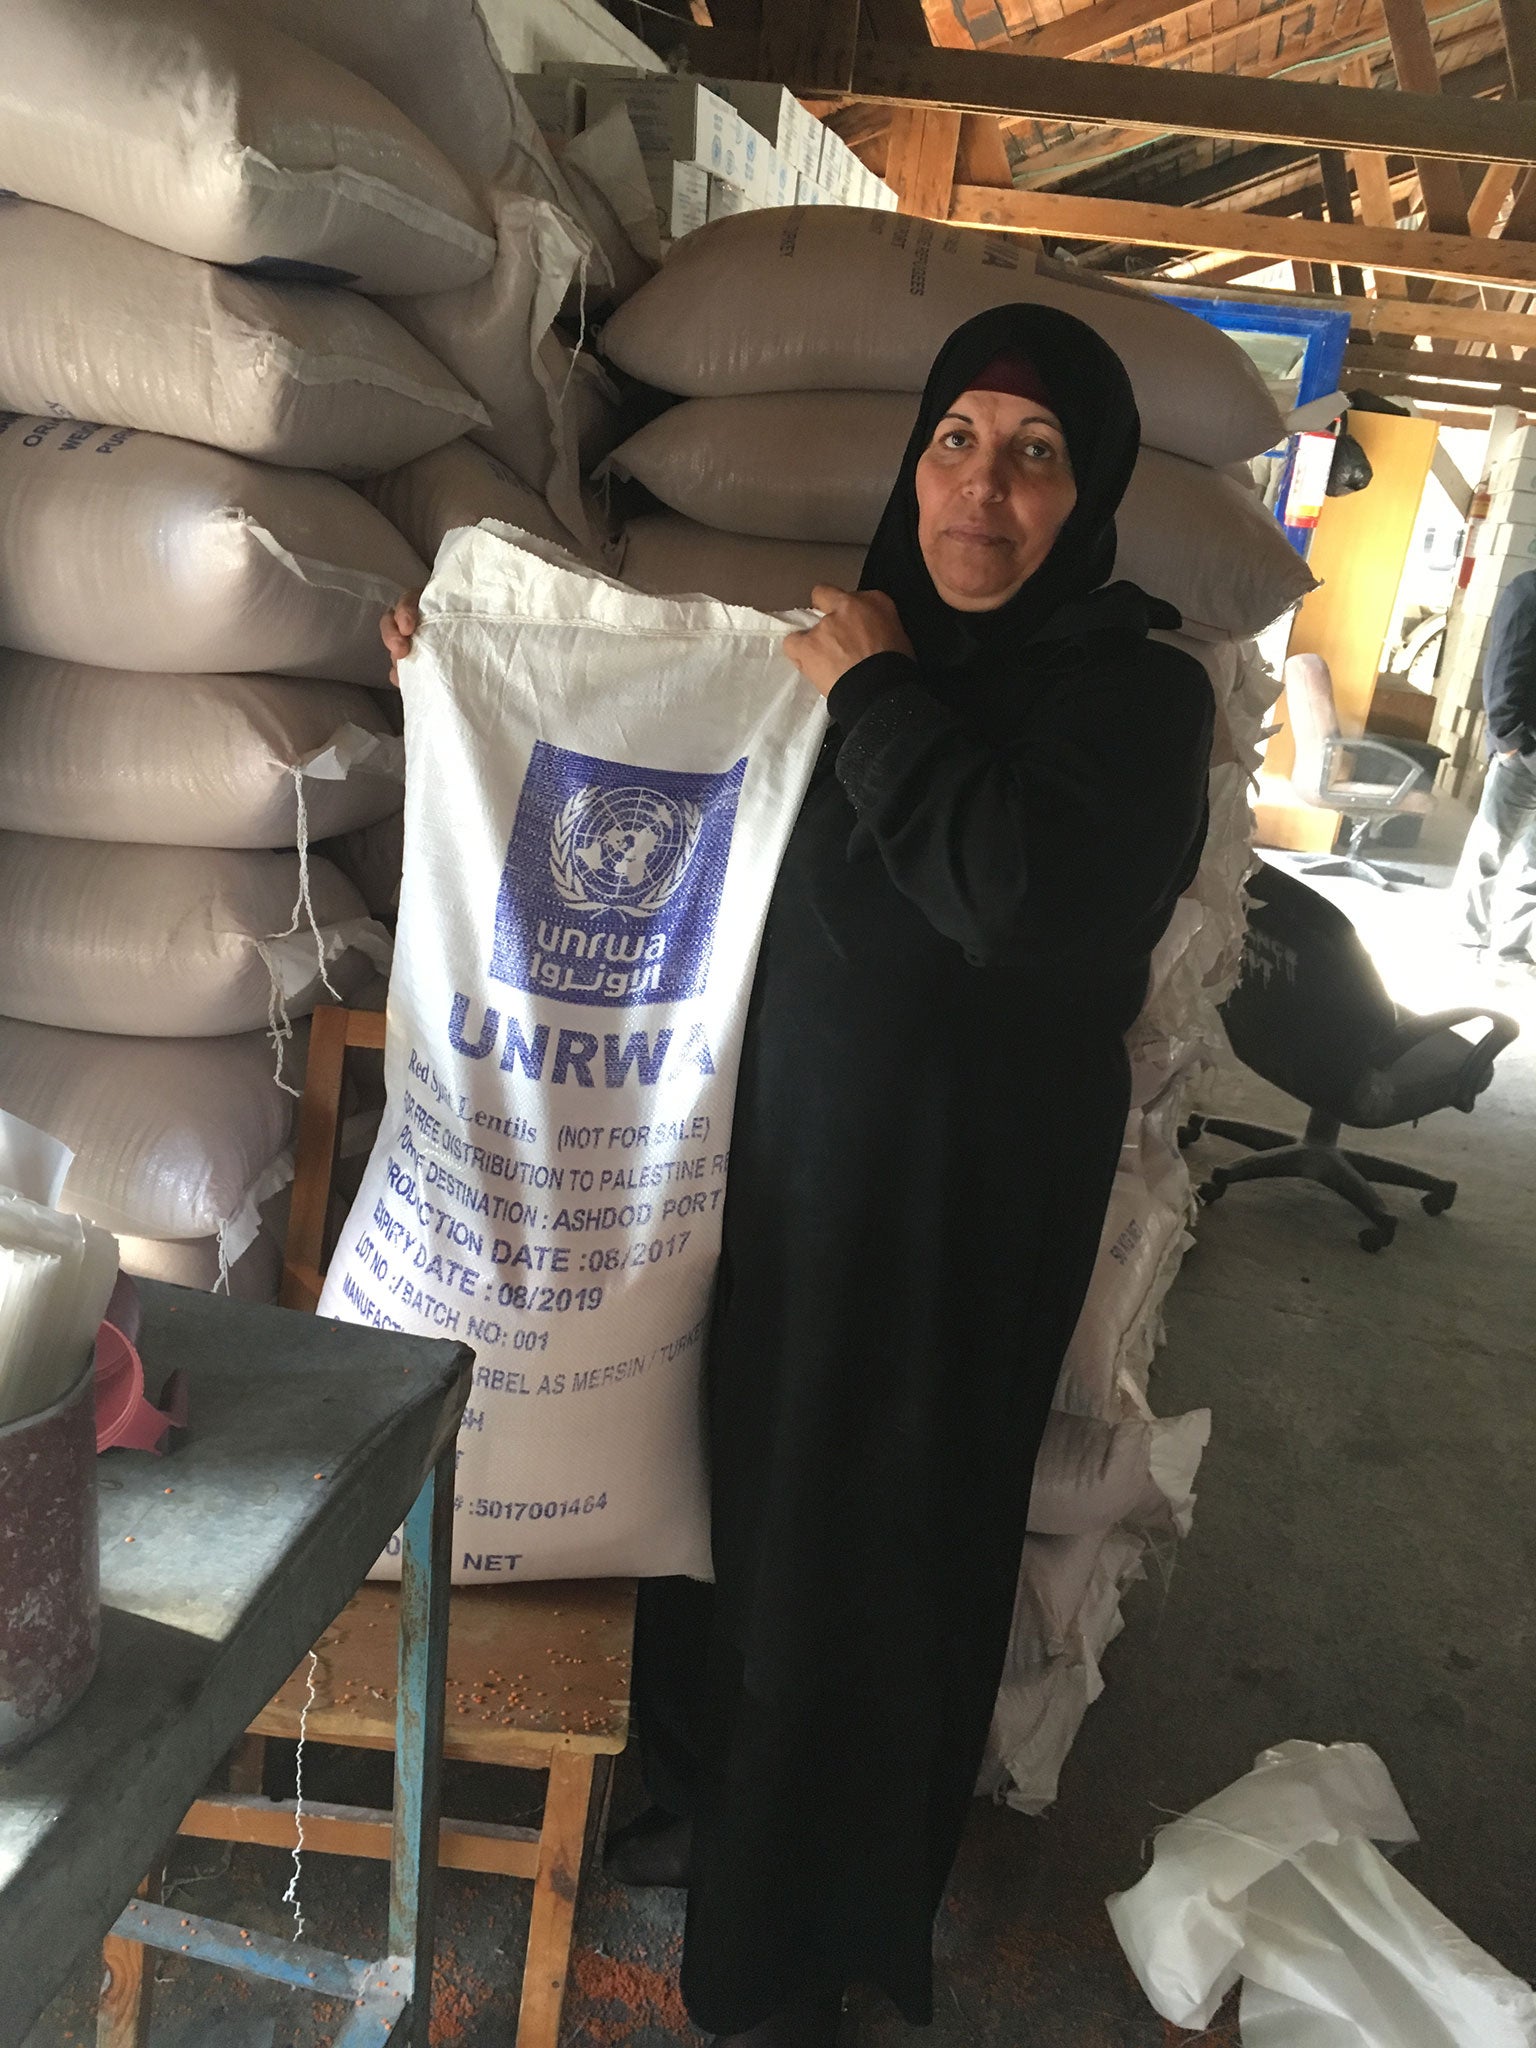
[[933, 1095]]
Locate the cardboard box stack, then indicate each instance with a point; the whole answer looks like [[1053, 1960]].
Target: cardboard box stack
[[711, 146]]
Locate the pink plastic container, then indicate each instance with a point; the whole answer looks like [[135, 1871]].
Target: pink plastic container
[[50, 1587]]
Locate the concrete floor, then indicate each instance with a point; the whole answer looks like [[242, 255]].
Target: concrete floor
[[1362, 1566]]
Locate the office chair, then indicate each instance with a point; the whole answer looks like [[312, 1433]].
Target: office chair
[[1363, 778], [1310, 1015]]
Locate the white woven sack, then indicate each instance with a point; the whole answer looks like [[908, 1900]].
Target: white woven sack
[[1042, 1700], [433, 59], [819, 466], [132, 550], [97, 326], [97, 753], [577, 937], [495, 336], [372, 861], [606, 172], [459, 486], [214, 135], [673, 556], [172, 1137], [203, 1263], [173, 941], [835, 298], [1091, 1474], [1139, 1230]]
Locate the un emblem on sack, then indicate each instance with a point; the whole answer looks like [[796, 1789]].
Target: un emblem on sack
[[622, 849], [613, 879]]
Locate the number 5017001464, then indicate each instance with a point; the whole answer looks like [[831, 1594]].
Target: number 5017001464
[[538, 1510]]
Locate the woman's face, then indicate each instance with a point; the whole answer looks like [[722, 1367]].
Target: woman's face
[[994, 487]]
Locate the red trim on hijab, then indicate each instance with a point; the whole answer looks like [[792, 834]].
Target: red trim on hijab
[[1014, 374]]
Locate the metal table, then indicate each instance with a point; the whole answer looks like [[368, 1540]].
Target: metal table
[[310, 1442]]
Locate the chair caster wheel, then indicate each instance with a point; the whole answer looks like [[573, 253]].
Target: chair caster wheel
[[1190, 1132], [1211, 1191], [1438, 1201], [1378, 1237]]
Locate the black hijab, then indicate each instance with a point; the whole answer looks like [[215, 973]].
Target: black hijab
[[1091, 395]]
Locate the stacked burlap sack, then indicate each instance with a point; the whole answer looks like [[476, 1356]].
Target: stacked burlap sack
[[262, 252], [797, 343]]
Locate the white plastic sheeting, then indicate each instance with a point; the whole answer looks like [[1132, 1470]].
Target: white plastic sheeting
[[1277, 1881]]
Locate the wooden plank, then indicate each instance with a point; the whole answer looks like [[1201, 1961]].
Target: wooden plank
[[807, 39], [920, 163], [530, 1669], [319, 1134], [1358, 552], [1145, 224], [127, 1988], [1189, 102], [490, 1847], [556, 1889], [1373, 186], [982, 158], [1413, 55], [1379, 316], [1091, 28], [1339, 204], [1392, 384], [1519, 19], [1093, 146], [897, 21]]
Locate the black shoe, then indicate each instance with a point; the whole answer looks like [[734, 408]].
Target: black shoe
[[654, 1848], [808, 2023]]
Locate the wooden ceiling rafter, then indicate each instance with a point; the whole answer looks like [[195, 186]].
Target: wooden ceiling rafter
[[1413, 57], [1413, 252], [1344, 54], [1370, 318], [814, 62]]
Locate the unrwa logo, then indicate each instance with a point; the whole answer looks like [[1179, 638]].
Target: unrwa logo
[[613, 878], [624, 849]]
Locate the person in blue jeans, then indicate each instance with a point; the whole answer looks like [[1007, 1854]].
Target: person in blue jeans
[[1496, 881]]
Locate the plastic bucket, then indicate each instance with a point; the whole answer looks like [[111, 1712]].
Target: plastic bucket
[[50, 1585]]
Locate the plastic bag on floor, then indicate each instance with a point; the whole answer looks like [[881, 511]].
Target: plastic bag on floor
[[1277, 1880]]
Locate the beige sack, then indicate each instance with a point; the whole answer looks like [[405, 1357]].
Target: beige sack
[[217, 136], [173, 941], [459, 486], [255, 1275], [819, 465], [433, 59], [675, 557], [832, 298], [494, 335], [172, 1137], [133, 550], [97, 326], [98, 753], [373, 861]]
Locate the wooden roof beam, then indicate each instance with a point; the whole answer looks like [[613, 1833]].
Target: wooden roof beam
[[806, 43], [1461, 259], [1372, 317], [1424, 125], [1413, 55], [920, 160]]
